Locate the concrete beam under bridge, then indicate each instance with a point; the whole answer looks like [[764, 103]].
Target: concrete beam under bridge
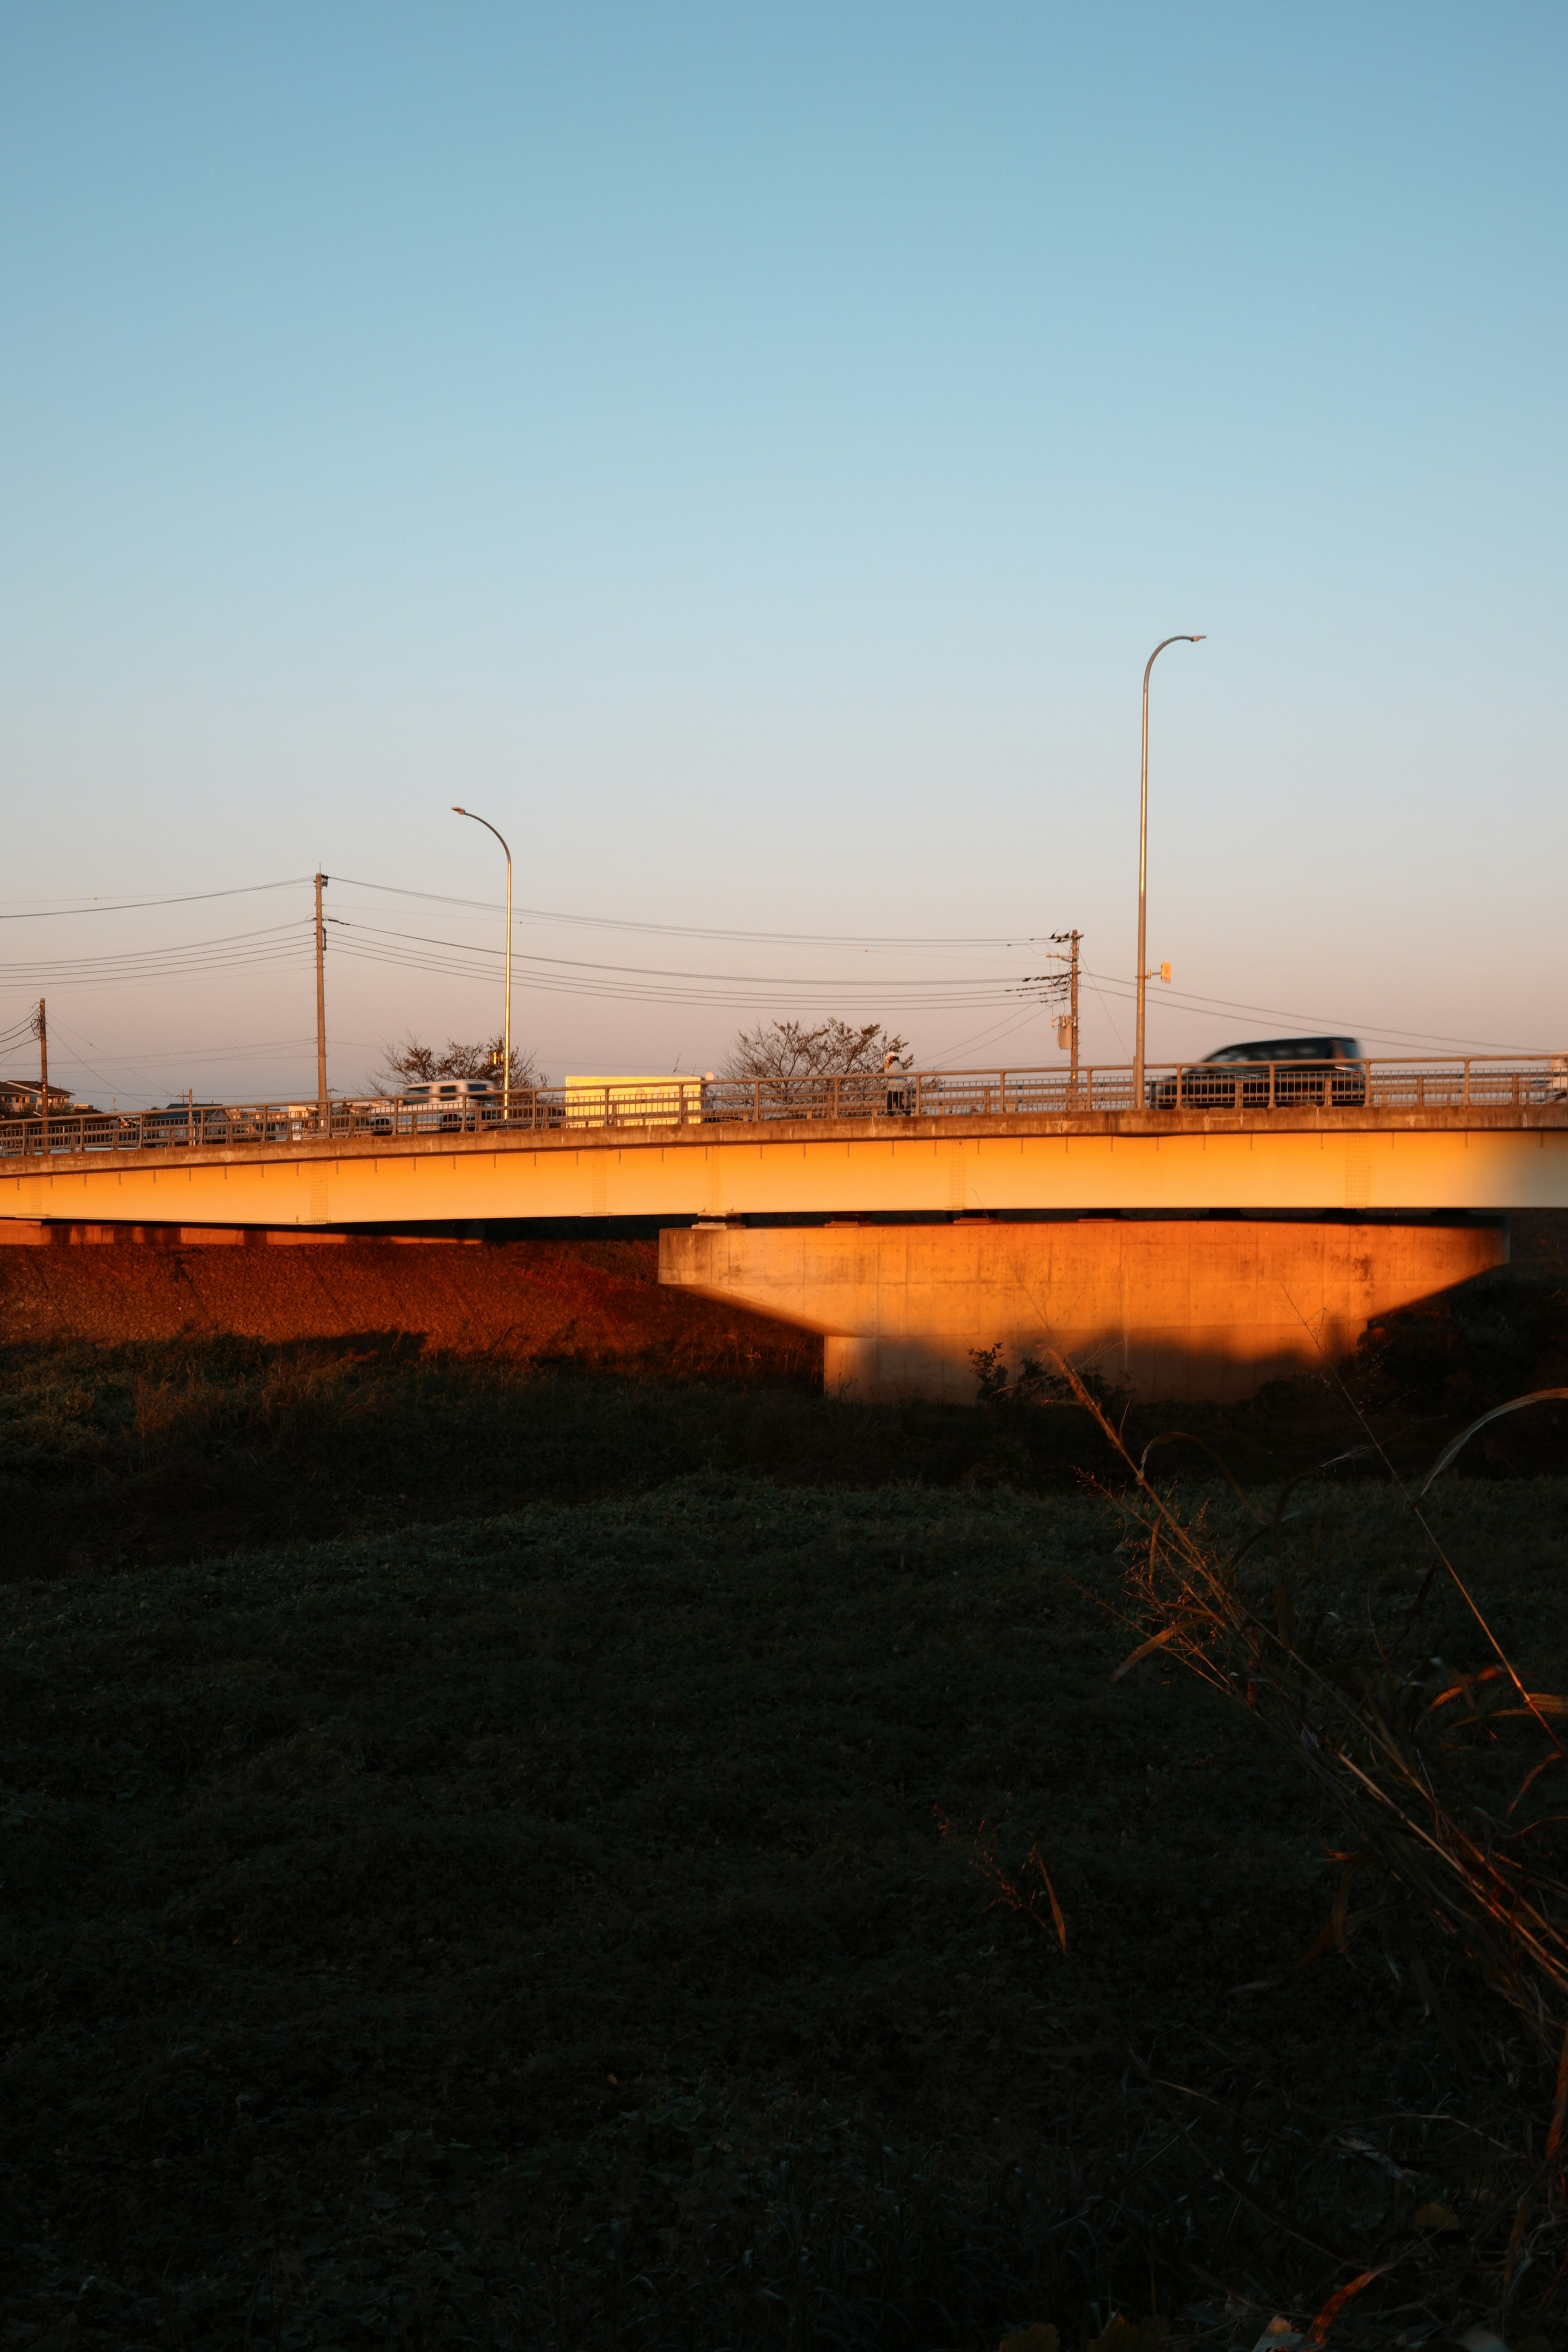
[[1190, 1307]]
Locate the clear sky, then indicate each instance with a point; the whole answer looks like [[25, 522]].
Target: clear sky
[[748, 454]]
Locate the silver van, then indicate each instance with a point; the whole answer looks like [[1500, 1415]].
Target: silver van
[[447, 1105]]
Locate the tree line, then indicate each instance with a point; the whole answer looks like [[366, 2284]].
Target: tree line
[[775, 1049]]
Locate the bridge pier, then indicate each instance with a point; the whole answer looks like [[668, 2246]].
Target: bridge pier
[[1167, 1308]]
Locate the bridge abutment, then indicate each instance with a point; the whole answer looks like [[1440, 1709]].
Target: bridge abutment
[[1178, 1308]]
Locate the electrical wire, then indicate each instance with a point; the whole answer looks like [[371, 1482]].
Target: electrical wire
[[194, 967], [1111, 1016], [906, 995], [631, 983], [656, 980], [664, 985], [136, 1067], [1001, 1029], [225, 1053], [78, 1061], [724, 993], [276, 943], [127, 906], [694, 931], [1173, 1001]]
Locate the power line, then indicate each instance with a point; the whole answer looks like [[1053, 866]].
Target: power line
[[57, 911], [734, 992], [281, 943], [136, 1067], [1175, 1000], [1105, 1008], [658, 973], [275, 944], [661, 984], [191, 968], [691, 931], [81, 1063], [998, 1029], [127, 906], [216, 1053]]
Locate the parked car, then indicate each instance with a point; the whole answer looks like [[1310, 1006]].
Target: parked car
[[447, 1105], [1267, 1072]]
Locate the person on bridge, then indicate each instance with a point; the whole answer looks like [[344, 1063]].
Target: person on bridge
[[895, 1075]]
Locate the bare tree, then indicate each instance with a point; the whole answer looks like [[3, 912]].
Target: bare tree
[[411, 1064], [834, 1049]]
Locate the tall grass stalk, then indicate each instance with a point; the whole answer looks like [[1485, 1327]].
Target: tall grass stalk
[[1442, 1776]]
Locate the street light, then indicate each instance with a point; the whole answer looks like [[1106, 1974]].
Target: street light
[[506, 1024], [1180, 639]]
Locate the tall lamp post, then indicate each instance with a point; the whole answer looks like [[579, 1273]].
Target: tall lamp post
[[323, 1117], [506, 1022], [1181, 639]]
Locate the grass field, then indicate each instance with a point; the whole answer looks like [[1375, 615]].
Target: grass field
[[201, 1446], [566, 1924], [517, 1858]]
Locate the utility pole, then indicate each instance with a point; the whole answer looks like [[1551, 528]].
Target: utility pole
[[321, 880], [41, 1028], [1052, 984], [1070, 940]]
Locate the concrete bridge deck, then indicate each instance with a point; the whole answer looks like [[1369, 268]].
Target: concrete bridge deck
[[1303, 1160]]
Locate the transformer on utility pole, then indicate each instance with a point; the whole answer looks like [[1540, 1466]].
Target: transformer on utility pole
[[1066, 1024], [1054, 986]]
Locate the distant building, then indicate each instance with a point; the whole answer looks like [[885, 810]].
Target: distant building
[[21, 1097]]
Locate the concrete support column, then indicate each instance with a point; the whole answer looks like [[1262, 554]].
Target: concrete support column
[[1167, 1308]]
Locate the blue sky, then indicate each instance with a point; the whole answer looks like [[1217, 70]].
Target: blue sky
[[748, 454]]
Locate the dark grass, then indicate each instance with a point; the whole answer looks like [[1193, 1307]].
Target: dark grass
[[396, 1748], [199, 1447], [537, 1928]]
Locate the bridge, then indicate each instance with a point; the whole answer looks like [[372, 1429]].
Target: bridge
[[1235, 1225]]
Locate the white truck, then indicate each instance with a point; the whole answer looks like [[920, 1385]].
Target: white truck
[[634, 1101]]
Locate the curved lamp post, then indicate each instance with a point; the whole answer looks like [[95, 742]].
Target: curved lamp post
[[506, 1022], [1181, 639]]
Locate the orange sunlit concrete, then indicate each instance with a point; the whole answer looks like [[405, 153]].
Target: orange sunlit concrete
[[1180, 1308], [1152, 1285]]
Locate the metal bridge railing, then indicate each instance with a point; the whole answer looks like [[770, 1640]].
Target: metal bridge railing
[[1409, 1084]]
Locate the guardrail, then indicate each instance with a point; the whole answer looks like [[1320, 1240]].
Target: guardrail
[[1409, 1085]]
